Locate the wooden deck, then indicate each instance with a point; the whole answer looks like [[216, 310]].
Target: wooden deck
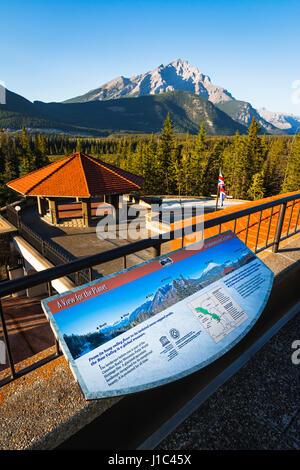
[[259, 234]]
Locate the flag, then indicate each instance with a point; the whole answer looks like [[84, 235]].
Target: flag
[[221, 185]]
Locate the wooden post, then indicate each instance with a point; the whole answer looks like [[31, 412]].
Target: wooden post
[[86, 211], [53, 210], [114, 201], [42, 208]]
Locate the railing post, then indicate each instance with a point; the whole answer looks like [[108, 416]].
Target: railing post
[[279, 227], [57, 349], [6, 341], [50, 292], [156, 250]]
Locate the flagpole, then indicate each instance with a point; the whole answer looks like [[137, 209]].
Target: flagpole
[[218, 191], [217, 198]]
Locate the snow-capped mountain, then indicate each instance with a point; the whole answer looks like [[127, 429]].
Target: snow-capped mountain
[[287, 122], [178, 75], [243, 113], [211, 266]]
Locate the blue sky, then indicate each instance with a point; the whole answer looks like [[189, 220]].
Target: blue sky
[[56, 50]]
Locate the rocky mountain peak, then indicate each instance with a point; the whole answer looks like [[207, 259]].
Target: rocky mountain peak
[[177, 75]]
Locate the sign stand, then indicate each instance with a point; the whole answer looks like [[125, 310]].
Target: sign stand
[[162, 320]]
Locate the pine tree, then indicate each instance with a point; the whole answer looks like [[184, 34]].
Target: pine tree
[[150, 168], [254, 150], [27, 163], [235, 167], [184, 167], [197, 163], [79, 145], [166, 154], [292, 176], [256, 190], [274, 167], [40, 150]]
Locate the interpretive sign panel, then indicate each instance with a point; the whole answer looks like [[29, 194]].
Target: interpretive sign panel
[[162, 320]]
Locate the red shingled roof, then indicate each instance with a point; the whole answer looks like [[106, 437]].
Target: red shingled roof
[[77, 175]]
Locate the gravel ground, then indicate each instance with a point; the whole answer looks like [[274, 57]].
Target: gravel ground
[[258, 408]]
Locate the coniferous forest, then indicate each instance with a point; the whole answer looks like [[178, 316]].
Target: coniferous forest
[[253, 165]]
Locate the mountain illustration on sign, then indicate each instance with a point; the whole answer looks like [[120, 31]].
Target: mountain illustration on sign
[[206, 312], [163, 298]]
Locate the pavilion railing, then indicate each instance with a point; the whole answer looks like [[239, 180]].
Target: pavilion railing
[[289, 221], [51, 251]]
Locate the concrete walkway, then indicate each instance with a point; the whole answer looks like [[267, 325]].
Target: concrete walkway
[[27, 326], [259, 407], [83, 241]]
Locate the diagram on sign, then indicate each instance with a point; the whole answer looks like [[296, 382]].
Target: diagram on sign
[[218, 312]]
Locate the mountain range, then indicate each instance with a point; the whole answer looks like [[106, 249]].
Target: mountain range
[[144, 114], [140, 105], [286, 122], [164, 297], [178, 75], [243, 112]]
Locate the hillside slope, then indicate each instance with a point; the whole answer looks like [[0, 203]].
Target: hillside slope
[[18, 112], [145, 114], [243, 113]]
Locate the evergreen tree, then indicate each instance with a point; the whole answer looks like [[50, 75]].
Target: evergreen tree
[[211, 170], [274, 167], [40, 150], [235, 168], [150, 169], [292, 175], [253, 149], [165, 154], [256, 190], [184, 167], [27, 163], [79, 146], [197, 163]]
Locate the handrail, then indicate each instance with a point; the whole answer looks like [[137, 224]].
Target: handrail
[[31, 280], [54, 253], [74, 266]]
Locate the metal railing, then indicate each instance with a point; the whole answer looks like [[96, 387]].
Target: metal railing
[[51, 251], [291, 202]]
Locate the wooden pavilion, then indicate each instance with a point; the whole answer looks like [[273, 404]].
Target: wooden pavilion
[[80, 177]]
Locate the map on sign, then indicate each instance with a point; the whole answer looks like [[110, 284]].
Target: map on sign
[[218, 313], [161, 320]]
